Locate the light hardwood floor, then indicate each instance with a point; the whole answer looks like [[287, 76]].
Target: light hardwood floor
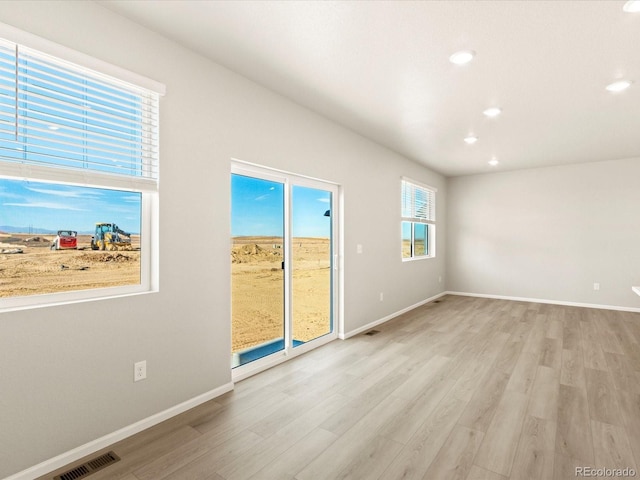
[[466, 388]]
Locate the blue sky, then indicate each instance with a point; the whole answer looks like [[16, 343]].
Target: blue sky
[[65, 207], [257, 209]]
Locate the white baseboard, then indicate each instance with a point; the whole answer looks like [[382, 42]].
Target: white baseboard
[[368, 326], [542, 300], [111, 438]]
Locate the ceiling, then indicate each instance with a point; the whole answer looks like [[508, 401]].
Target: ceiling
[[382, 69]]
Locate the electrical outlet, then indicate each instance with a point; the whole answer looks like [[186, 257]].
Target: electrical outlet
[[596, 286], [439, 279], [359, 248], [139, 371], [381, 296]]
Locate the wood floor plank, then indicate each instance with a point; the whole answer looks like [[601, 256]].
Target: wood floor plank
[[469, 382], [565, 468], [501, 440], [594, 357], [521, 332], [535, 340], [354, 409], [623, 375], [606, 336], [132, 459], [603, 405], [478, 473], [482, 406], [536, 453], [340, 454], [524, 373], [571, 336], [268, 449], [544, 396], [204, 465], [455, 458], [572, 371], [415, 458], [402, 429], [508, 356], [573, 433], [629, 404], [297, 457], [371, 460], [554, 328], [551, 353], [413, 386], [611, 447], [234, 418], [591, 347]]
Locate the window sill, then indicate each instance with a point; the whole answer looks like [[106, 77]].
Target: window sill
[[57, 299], [414, 259]]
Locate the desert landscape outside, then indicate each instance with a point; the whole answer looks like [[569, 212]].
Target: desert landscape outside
[[258, 289], [28, 266]]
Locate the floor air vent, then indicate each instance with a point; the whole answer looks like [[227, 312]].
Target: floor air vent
[[89, 467], [372, 332]]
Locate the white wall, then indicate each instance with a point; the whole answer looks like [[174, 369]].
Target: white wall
[[66, 371], [548, 233]]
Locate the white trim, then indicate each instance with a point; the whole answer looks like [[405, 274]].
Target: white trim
[[253, 167], [103, 442], [35, 42], [420, 184], [344, 336], [71, 176], [542, 300]]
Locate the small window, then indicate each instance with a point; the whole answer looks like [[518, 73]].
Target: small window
[[418, 220], [78, 180]]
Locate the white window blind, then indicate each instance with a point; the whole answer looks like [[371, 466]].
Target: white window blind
[[55, 114], [418, 202]]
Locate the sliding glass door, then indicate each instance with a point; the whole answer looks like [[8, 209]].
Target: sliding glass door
[[282, 264]]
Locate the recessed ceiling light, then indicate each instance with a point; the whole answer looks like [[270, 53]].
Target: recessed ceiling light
[[492, 112], [632, 6], [493, 162], [470, 140], [619, 86], [462, 57]]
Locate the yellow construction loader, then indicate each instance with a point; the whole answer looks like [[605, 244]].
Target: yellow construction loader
[[109, 237]]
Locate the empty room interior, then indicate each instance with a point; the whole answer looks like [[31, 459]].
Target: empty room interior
[[319, 240]]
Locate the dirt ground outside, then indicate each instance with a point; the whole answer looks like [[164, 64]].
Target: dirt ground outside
[[258, 289], [40, 270]]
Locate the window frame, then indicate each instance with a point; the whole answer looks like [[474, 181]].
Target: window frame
[[147, 187], [418, 215]]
